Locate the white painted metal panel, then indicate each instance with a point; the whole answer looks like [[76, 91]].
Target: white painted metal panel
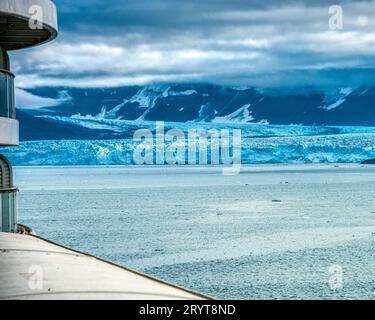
[[9, 132], [68, 274]]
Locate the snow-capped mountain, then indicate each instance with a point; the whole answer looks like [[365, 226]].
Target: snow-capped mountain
[[192, 103], [96, 126]]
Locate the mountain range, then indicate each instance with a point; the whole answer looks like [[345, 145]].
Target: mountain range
[[189, 103]]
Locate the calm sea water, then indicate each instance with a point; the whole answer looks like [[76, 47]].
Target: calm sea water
[[272, 232]]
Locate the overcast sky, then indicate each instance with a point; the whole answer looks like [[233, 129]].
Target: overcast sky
[[234, 42]]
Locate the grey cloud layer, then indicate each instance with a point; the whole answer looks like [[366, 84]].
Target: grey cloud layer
[[250, 43]]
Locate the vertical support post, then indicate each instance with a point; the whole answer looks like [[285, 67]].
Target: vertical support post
[[15, 211]]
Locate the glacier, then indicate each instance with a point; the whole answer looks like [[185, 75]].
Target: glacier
[[261, 144]]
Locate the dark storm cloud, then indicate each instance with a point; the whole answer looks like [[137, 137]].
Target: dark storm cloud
[[250, 43]]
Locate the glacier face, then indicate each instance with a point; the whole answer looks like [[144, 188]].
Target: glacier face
[[333, 126], [260, 144]]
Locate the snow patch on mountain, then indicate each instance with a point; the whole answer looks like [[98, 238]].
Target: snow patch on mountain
[[143, 98], [112, 113], [204, 113], [335, 99], [146, 98], [334, 105], [87, 121], [242, 115], [183, 93]]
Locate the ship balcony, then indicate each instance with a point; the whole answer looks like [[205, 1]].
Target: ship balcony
[[9, 127], [25, 23]]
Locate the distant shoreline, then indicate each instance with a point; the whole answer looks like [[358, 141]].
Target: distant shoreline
[[246, 167]]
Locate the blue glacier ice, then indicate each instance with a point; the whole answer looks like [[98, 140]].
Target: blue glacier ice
[[260, 144]]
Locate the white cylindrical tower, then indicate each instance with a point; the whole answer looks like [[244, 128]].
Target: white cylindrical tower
[[23, 23]]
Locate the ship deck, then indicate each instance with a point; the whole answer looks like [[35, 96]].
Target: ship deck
[[37, 269]]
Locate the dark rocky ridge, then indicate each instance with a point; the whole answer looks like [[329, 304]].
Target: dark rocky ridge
[[370, 161]]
